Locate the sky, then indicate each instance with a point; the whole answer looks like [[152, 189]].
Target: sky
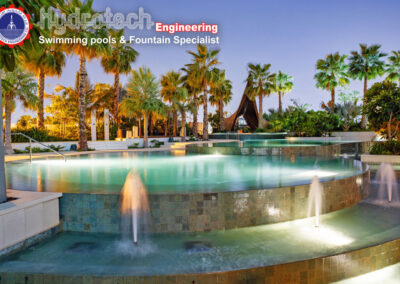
[[291, 35]]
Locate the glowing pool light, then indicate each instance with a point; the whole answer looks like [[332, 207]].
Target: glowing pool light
[[325, 234], [318, 173]]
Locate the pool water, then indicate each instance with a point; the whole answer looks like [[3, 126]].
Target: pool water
[[166, 172], [360, 226]]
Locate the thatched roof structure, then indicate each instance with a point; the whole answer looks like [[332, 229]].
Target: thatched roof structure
[[248, 109]]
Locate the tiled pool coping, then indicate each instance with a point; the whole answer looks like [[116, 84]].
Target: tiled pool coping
[[331, 150], [197, 212]]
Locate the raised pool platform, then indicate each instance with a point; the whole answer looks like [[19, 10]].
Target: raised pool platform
[[247, 136], [282, 147], [192, 193], [349, 242]]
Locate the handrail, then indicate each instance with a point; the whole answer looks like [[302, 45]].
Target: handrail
[[30, 145]]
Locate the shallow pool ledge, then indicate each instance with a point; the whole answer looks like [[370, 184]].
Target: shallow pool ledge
[[27, 215]]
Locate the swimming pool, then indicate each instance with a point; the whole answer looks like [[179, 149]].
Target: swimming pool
[[166, 172]]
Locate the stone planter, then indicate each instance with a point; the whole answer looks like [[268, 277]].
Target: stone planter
[[29, 214]]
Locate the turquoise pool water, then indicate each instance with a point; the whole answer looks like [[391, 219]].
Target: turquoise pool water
[[165, 171], [360, 226]]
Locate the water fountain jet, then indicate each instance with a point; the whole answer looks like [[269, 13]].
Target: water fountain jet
[[315, 199], [134, 207], [387, 179]]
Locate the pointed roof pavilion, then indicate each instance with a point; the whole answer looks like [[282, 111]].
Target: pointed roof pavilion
[[248, 109]]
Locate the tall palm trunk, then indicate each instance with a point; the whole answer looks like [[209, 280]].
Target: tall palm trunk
[[40, 112], [333, 97], [3, 192], [140, 128], [151, 125], [280, 102], [8, 101], [205, 112], [195, 121], [116, 101], [221, 115], [145, 130], [260, 110], [363, 117], [174, 122], [82, 106], [183, 125], [166, 130]]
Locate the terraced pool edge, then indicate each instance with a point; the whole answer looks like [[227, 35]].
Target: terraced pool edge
[[197, 212]]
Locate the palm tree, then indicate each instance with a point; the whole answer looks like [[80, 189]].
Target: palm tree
[[8, 62], [84, 52], [202, 63], [142, 97], [172, 92], [283, 83], [21, 86], [221, 93], [260, 83], [394, 67], [366, 65], [332, 73], [45, 60], [118, 62], [193, 86], [184, 104]]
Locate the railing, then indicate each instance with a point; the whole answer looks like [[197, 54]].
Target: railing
[[30, 145]]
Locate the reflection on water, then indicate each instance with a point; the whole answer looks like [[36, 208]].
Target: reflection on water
[[165, 172]]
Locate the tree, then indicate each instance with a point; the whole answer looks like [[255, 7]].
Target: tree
[[45, 60], [172, 92], [8, 62], [260, 83], [394, 67], [366, 65], [142, 98], [221, 93], [193, 86], [117, 62], [19, 86], [382, 105], [202, 63], [84, 51], [332, 73], [283, 83], [25, 122], [64, 107]]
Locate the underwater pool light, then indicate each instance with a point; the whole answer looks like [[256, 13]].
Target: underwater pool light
[[324, 234]]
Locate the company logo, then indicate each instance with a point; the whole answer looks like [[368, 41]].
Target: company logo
[[14, 26]]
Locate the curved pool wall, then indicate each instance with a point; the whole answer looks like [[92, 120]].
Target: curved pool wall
[[348, 243], [247, 136], [311, 271], [327, 149], [197, 212]]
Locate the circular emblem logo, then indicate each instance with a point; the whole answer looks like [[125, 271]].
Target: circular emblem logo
[[14, 26]]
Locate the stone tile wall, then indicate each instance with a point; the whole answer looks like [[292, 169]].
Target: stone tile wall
[[196, 212]]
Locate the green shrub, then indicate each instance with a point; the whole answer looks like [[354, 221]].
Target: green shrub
[[35, 133], [134, 146], [385, 148], [382, 106]]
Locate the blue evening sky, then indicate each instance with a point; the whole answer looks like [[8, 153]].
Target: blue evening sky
[[291, 35]]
